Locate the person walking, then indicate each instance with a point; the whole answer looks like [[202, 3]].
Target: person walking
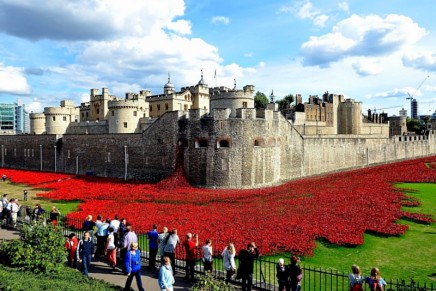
[[111, 249], [153, 246], [208, 256], [170, 248], [190, 244], [132, 265], [15, 208], [88, 225], [166, 278], [161, 239], [71, 245], [283, 274], [246, 265], [229, 265], [85, 252], [296, 274], [25, 195], [102, 233]]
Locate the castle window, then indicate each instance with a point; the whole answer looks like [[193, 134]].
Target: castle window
[[158, 107], [201, 143], [185, 107], [151, 108], [258, 142], [64, 118], [135, 113], [83, 115], [54, 118], [98, 111], [125, 124], [87, 115], [223, 143], [166, 106], [113, 113], [244, 104]]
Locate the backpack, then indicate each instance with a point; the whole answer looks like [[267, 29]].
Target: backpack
[[376, 286], [357, 287]]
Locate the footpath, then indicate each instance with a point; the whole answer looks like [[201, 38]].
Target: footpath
[[102, 271]]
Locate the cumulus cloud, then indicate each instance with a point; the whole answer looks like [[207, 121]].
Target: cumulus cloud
[[34, 106], [361, 36], [12, 81], [367, 67], [220, 19], [85, 20], [307, 11], [425, 61]]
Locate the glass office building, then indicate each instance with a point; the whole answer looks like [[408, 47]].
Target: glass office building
[[13, 119]]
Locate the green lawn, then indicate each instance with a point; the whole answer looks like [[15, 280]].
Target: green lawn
[[412, 255], [16, 191]]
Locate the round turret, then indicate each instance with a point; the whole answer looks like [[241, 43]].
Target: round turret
[[37, 123], [223, 97]]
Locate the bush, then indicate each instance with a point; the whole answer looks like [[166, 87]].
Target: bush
[[40, 249], [210, 283]]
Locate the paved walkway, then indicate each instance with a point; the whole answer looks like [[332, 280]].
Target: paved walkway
[[101, 270]]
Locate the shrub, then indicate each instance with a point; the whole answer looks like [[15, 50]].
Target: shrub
[[210, 283], [40, 249]]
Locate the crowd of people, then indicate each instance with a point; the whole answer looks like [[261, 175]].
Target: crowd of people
[[115, 241]]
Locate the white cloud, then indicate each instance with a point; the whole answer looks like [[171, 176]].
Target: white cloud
[[357, 35], [34, 106], [423, 60], [307, 11], [220, 19], [12, 80], [85, 20], [344, 7], [181, 27], [367, 67]]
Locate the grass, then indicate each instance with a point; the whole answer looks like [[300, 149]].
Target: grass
[[17, 190], [67, 280], [411, 255]]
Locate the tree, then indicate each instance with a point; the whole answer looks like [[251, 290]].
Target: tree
[[260, 100], [413, 125], [285, 102]]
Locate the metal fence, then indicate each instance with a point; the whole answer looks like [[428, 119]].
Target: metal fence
[[264, 276]]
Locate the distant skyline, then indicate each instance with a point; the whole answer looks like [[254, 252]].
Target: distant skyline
[[376, 52]]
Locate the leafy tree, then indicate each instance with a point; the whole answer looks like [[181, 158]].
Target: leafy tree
[[40, 249], [413, 125], [285, 102], [260, 100]]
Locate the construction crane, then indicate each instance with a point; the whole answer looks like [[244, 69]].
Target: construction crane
[[413, 94], [375, 109]]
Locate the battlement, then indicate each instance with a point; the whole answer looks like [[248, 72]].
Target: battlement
[[224, 92]]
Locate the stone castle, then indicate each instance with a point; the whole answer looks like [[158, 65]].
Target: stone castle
[[215, 133]]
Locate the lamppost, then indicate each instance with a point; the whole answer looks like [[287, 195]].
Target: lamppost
[[125, 163], [40, 156], [77, 165], [3, 156], [55, 158]]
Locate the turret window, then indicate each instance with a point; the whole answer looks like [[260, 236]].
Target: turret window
[[166, 106], [201, 143], [158, 107], [113, 113], [125, 124], [135, 113], [151, 108], [54, 118], [64, 118], [223, 143], [244, 104]]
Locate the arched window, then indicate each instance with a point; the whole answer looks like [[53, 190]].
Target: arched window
[[258, 142], [166, 106]]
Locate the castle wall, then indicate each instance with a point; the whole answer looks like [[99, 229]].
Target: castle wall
[[255, 149]]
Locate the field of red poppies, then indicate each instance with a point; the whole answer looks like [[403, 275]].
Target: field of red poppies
[[338, 208]]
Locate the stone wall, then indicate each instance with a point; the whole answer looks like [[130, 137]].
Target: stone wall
[[254, 149]]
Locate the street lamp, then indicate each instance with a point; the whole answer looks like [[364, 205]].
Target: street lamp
[[40, 156], [125, 163], [3, 157]]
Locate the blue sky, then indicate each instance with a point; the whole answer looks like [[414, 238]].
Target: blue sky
[[376, 52]]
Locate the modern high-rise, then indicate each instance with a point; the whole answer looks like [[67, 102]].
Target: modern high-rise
[[414, 109], [14, 119]]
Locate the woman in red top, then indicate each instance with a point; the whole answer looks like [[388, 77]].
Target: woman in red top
[[71, 246], [190, 245]]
